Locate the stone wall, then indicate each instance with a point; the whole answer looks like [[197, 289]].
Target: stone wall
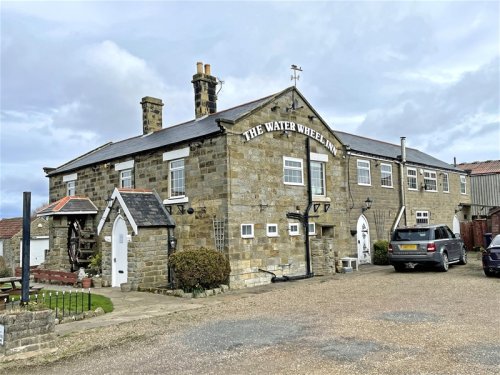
[[26, 331], [323, 258], [259, 196]]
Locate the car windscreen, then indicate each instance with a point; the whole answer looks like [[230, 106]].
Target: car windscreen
[[413, 234], [496, 241]]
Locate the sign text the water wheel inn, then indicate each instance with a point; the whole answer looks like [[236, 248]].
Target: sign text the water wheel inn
[[282, 126]]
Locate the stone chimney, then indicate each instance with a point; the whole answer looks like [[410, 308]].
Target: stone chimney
[[205, 97], [151, 114]]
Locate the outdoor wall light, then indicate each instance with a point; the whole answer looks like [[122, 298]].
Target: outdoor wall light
[[368, 205], [311, 117], [275, 107], [109, 202]]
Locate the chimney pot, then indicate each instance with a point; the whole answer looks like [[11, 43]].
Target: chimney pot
[[199, 67], [207, 69]]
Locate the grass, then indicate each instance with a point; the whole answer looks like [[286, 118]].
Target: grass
[[54, 299]]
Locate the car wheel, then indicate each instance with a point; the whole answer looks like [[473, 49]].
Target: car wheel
[[443, 267], [399, 267], [463, 257], [488, 273]]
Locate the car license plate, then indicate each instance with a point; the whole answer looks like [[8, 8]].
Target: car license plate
[[408, 247]]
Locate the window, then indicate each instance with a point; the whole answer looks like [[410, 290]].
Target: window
[[125, 168], [312, 229], [293, 229], [318, 178], [176, 175], [411, 178], [126, 178], [272, 230], [246, 230], [422, 217], [463, 185], [364, 177], [386, 175], [292, 171], [446, 183], [70, 188], [430, 181], [177, 186], [70, 180]]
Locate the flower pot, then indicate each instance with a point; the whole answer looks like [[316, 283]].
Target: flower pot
[[97, 282], [86, 281]]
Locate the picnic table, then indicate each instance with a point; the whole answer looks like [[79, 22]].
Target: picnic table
[[8, 286]]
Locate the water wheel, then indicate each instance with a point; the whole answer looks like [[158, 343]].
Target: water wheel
[[80, 245]]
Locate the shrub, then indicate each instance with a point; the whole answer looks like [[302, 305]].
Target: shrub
[[380, 252], [202, 268], [4, 270]]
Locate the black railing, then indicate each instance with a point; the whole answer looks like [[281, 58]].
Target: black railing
[[64, 303]]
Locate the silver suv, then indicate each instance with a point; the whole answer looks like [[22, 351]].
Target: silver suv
[[426, 245]]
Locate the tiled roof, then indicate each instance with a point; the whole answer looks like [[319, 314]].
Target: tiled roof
[[391, 151], [201, 127], [9, 227], [71, 205], [482, 167], [146, 208]]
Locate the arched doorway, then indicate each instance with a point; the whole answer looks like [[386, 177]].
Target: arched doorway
[[119, 249], [363, 240]]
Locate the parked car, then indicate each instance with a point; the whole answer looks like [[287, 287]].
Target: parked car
[[434, 245], [491, 257]]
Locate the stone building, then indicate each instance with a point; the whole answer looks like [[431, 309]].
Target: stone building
[[11, 237], [268, 183]]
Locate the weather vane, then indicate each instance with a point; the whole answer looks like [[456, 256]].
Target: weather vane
[[295, 77]]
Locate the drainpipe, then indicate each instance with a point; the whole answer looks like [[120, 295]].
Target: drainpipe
[[401, 178], [305, 223]]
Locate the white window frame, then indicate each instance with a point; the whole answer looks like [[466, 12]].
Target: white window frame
[[410, 177], [463, 184], [321, 180], [71, 188], [446, 183], [245, 233], [312, 229], [273, 233], [126, 180], [294, 229], [173, 170], [422, 217], [432, 177], [293, 168], [386, 175], [365, 167]]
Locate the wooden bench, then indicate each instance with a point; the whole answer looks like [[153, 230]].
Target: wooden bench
[[61, 277], [48, 276]]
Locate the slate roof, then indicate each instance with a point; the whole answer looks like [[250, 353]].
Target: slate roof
[[391, 151], [198, 128], [482, 167], [10, 227], [146, 208], [72, 205]]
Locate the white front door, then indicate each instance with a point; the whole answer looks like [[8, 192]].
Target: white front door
[[119, 249], [456, 225], [363, 239]]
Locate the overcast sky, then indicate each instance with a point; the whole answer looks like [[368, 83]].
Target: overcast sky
[[73, 73]]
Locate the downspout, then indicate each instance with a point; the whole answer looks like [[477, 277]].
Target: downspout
[[305, 224], [401, 179]]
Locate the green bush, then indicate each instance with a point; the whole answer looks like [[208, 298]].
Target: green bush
[[380, 252], [199, 269], [4, 270]]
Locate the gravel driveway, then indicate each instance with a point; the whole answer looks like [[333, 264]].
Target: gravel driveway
[[374, 321]]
